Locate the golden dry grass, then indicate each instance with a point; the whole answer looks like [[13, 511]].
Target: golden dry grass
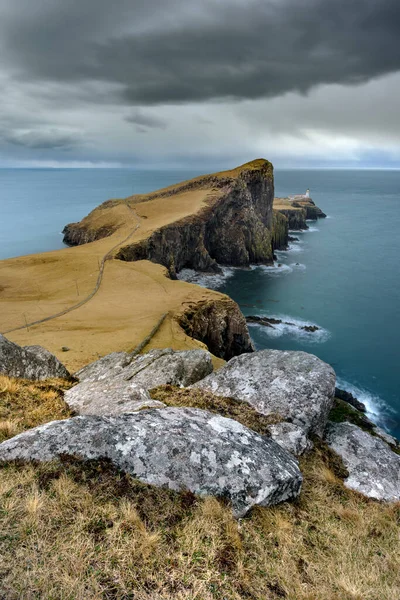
[[83, 531], [227, 407], [131, 299], [25, 404]]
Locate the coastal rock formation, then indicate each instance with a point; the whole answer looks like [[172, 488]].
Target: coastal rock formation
[[220, 325], [30, 362], [234, 229], [295, 385], [174, 448], [350, 399], [296, 216], [270, 322], [119, 383], [374, 469], [280, 231], [76, 234], [313, 212], [291, 437]]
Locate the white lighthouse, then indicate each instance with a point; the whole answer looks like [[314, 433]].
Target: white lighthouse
[[307, 193]]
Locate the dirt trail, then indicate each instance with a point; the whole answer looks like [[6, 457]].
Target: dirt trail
[[106, 257]]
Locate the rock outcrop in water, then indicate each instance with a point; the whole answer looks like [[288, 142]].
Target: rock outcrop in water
[[297, 211], [30, 362]]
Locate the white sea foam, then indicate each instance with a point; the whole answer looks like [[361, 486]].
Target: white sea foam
[[295, 247], [292, 327], [276, 270], [212, 281], [377, 409], [312, 229]]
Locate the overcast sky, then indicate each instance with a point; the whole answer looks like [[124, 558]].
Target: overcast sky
[[199, 82]]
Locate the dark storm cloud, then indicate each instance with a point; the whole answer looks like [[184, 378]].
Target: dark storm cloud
[[159, 52]]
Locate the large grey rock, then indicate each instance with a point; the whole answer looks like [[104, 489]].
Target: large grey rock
[[30, 362], [119, 383], [374, 469], [295, 385], [291, 437], [108, 366], [177, 448], [386, 437]]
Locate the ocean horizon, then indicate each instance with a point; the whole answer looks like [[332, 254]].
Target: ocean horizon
[[340, 275]]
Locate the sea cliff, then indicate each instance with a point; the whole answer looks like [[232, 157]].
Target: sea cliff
[[234, 228]]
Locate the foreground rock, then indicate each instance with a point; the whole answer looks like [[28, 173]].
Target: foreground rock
[[374, 470], [295, 385], [119, 383], [174, 448], [31, 362], [291, 437]]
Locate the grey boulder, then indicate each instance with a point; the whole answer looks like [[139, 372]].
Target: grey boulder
[[291, 437], [295, 385], [176, 448], [30, 362], [374, 469], [386, 437], [119, 383]]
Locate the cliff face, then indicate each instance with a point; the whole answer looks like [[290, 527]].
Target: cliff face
[[220, 325], [76, 235], [235, 229], [280, 231], [313, 212]]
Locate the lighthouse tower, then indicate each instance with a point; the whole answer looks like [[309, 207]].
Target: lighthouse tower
[[307, 193]]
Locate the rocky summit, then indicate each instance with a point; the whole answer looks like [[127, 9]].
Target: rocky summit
[[29, 362], [174, 448], [295, 385]]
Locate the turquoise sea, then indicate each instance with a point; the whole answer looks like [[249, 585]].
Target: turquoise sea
[[341, 275]]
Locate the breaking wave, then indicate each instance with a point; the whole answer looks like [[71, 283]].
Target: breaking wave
[[212, 281], [292, 327], [378, 411]]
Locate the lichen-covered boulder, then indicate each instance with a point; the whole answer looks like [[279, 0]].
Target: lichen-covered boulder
[[30, 362], [119, 383], [177, 448], [108, 366], [295, 385], [374, 469], [291, 437]]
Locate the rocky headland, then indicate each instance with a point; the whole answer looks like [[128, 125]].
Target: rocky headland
[[298, 211], [175, 428]]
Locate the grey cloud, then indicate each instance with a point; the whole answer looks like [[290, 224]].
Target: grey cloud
[[42, 138], [145, 121], [180, 53]]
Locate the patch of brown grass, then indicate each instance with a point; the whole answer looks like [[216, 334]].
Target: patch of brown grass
[[227, 407], [84, 531], [25, 404]]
